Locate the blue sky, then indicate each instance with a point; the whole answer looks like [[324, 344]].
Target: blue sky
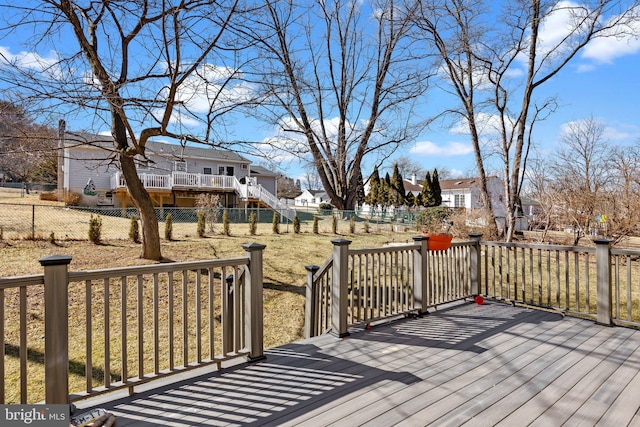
[[602, 81]]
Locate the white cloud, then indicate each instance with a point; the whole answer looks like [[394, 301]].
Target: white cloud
[[32, 61], [487, 124], [428, 148], [605, 49]]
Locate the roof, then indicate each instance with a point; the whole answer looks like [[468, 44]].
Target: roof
[[446, 184], [259, 170], [85, 139]]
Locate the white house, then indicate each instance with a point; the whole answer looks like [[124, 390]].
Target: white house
[[465, 193], [312, 198], [172, 174]]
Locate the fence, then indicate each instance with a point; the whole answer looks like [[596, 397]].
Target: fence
[[96, 331], [20, 221], [360, 286]]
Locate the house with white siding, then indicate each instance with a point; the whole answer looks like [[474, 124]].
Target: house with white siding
[[312, 198], [174, 175]]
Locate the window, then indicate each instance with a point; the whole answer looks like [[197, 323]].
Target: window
[[207, 171], [458, 201], [142, 164], [225, 170], [244, 166], [180, 166]]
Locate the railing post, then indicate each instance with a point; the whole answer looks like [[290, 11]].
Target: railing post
[[603, 281], [339, 290], [56, 328], [311, 303], [475, 255], [253, 315], [420, 274], [228, 315]]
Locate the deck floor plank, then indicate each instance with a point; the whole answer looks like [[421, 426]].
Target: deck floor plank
[[466, 363]]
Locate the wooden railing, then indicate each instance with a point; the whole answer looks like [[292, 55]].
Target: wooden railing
[[128, 325], [361, 286], [601, 283]]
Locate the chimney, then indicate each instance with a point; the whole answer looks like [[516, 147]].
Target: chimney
[[413, 179]]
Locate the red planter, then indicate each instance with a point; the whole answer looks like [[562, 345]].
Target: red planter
[[439, 242]]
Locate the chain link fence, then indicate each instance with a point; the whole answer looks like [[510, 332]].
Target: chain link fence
[[43, 222]]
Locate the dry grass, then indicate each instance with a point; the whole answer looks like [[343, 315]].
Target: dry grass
[[285, 256]]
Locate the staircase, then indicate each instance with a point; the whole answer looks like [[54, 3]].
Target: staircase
[[256, 191]]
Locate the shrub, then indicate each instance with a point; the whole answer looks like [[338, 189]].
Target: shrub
[[210, 205], [315, 224], [1, 233], [253, 223], [296, 224], [50, 196], [202, 223], [134, 229], [334, 224], [352, 224], [325, 206], [225, 223], [52, 238], [275, 225], [168, 227], [72, 199], [365, 226], [95, 229]]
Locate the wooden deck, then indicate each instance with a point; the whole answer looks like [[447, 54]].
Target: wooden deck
[[465, 365]]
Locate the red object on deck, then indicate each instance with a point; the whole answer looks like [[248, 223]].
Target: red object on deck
[[479, 300], [439, 242]]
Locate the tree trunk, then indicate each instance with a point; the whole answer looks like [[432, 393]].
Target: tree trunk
[[142, 201]]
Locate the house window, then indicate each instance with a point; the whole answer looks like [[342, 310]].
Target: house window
[[180, 166], [225, 170], [244, 166], [207, 171], [143, 164], [458, 201]]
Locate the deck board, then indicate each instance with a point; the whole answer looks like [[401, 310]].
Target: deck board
[[480, 365]]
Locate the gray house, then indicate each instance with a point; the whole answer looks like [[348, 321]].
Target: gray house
[[173, 175]]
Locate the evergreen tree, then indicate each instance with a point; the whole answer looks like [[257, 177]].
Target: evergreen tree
[[437, 191], [384, 191], [374, 185], [397, 184], [427, 191], [360, 196], [410, 200]]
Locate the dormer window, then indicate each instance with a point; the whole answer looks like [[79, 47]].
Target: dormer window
[[180, 166]]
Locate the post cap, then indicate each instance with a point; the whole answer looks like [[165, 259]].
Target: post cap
[[312, 268], [250, 247], [341, 242], [55, 260]]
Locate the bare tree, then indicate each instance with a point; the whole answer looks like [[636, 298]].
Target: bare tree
[[340, 81], [27, 150], [145, 68], [581, 174], [495, 65]]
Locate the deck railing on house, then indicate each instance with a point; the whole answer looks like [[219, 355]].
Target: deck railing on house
[[360, 286], [601, 283], [129, 325]]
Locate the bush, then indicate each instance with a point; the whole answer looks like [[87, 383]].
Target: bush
[[325, 206], [296, 224], [134, 229], [1, 233], [225, 223], [50, 196], [202, 224], [52, 238], [334, 224], [95, 229], [168, 227], [366, 227], [253, 223], [431, 220], [210, 205], [315, 224], [275, 225], [72, 199], [352, 224]]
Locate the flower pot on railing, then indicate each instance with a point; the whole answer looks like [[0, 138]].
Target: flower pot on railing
[[439, 241]]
